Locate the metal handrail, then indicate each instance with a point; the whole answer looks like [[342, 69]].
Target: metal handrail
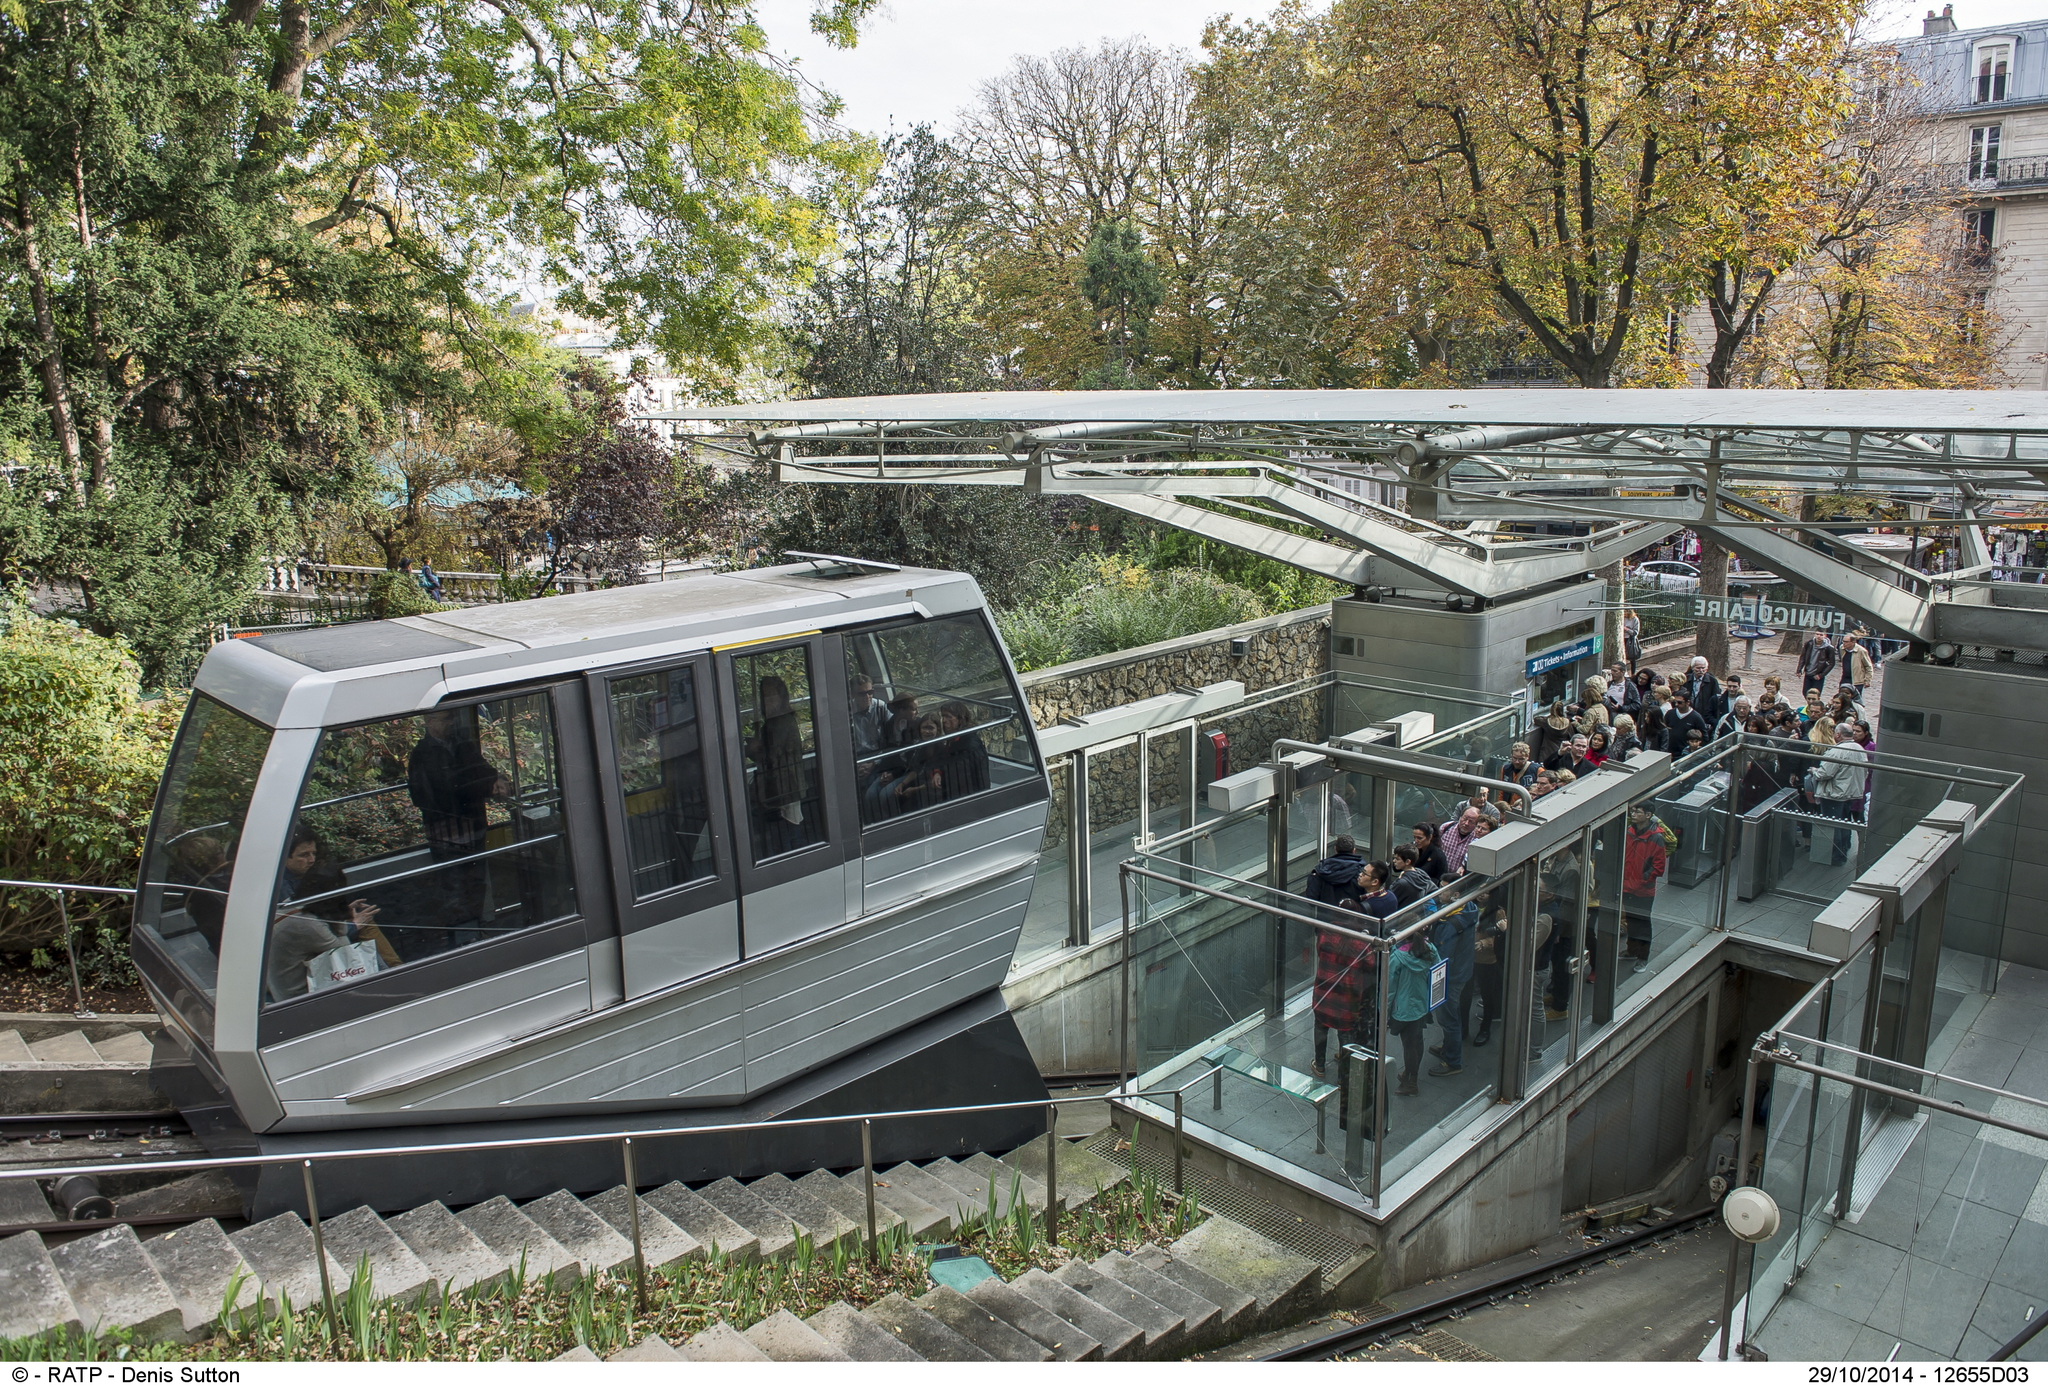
[[625, 1140], [80, 1010]]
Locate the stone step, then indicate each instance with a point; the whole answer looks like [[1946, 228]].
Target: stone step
[[112, 1282], [23, 1201], [825, 1224], [661, 1242], [859, 1337], [1201, 1318], [1165, 1332], [787, 1339], [32, 1294], [1007, 1178], [972, 1321], [1120, 1339], [1285, 1284], [926, 1336], [14, 1050], [933, 1191], [588, 1238], [849, 1197], [652, 1349], [768, 1224], [65, 1047], [720, 1343], [527, 1248], [1066, 1341], [280, 1251], [973, 1189], [704, 1221], [360, 1239], [126, 1047], [460, 1261], [579, 1354], [1081, 1172], [198, 1264], [926, 1221], [1240, 1309]]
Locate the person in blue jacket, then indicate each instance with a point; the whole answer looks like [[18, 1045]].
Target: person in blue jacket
[[1408, 985]]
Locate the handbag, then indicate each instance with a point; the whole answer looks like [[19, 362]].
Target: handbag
[[341, 964]]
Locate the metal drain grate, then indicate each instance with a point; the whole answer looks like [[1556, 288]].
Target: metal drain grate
[[1289, 1229], [1449, 1348]]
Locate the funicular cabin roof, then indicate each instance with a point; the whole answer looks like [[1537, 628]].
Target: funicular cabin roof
[[371, 669]]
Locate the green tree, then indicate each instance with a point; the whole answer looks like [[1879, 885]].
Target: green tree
[[242, 238], [1123, 286]]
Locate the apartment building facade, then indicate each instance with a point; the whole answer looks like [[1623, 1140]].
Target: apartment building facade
[[1988, 93]]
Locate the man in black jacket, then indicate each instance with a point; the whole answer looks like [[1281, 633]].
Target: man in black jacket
[[1683, 719], [1816, 659], [1705, 692], [450, 782], [1336, 876]]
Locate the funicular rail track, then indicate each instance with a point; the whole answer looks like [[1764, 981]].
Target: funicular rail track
[[1374, 1332]]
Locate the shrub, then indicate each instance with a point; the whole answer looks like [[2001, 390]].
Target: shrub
[[399, 594], [80, 754]]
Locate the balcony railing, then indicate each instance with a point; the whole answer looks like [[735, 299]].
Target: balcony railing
[[1999, 174]]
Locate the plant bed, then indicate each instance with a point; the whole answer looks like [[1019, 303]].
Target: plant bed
[[531, 1319], [26, 988]]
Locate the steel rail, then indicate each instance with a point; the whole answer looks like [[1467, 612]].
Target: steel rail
[[1445, 1307]]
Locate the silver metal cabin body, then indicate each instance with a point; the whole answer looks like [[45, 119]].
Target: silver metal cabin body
[[647, 850]]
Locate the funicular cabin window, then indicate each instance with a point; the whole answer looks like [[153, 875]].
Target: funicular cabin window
[[934, 717], [199, 822], [772, 691], [658, 739], [417, 836]]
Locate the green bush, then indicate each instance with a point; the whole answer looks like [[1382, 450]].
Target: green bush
[[399, 594], [1103, 605], [80, 754]]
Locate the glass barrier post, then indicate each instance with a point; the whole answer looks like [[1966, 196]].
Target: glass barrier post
[[1583, 943], [1731, 827], [1080, 852], [1379, 1077], [1866, 1044], [1276, 876], [1123, 1020], [1518, 987]]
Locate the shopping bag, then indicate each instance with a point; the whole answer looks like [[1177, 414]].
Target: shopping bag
[[342, 963]]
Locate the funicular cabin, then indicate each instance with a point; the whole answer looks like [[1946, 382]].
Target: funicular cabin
[[738, 844]]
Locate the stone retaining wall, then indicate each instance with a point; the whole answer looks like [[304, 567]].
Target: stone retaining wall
[[1282, 649]]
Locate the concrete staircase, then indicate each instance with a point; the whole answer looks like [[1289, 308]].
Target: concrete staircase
[[1220, 1282], [174, 1285], [64, 1065]]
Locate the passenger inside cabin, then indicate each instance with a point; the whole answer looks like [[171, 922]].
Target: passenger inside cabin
[[777, 747], [869, 717], [450, 783], [303, 931], [202, 864]]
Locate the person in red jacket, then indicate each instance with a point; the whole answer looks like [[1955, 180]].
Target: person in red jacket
[[1644, 853]]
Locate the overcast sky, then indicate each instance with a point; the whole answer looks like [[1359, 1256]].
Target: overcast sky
[[921, 60]]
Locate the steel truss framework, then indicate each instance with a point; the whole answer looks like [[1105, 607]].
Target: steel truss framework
[[1315, 478]]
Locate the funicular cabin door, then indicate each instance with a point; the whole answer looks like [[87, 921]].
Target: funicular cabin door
[[670, 844], [784, 781]]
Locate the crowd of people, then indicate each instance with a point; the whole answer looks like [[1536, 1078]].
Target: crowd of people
[[906, 759], [1819, 744]]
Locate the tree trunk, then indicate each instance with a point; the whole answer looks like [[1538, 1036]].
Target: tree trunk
[[1711, 638], [50, 368], [1809, 512]]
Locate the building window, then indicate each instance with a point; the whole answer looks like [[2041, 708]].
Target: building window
[[1994, 63], [1984, 151], [1980, 236], [1970, 324], [1674, 332]]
